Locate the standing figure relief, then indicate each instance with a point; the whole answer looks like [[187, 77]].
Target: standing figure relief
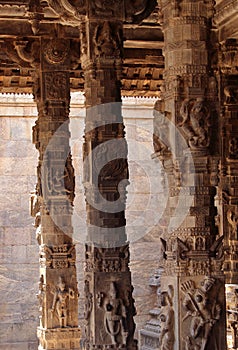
[[60, 305], [114, 316], [167, 320]]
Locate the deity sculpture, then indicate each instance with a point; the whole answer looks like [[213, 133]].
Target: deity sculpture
[[60, 302], [115, 316], [167, 320]]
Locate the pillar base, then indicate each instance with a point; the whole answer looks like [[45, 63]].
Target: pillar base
[[59, 338]]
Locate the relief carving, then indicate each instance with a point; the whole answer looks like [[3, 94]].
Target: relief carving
[[62, 181], [232, 219], [105, 7], [114, 316], [108, 41], [56, 86], [202, 312], [68, 13], [137, 10], [233, 148], [41, 298], [161, 133], [56, 51], [60, 306], [195, 122], [230, 94], [167, 320]]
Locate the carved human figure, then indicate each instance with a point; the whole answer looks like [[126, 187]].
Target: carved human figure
[[88, 300], [167, 320], [40, 296], [87, 306], [115, 316], [60, 302], [233, 221], [107, 40], [203, 311]]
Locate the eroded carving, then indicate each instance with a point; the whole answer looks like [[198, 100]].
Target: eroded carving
[[167, 319], [137, 10], [195, 122], [114, 316], [202, 311], [108, 40], [233, 221], [56, 51], [60, 307], [69, 12]]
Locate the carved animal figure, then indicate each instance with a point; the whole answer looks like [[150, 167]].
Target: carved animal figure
[[195, 122], [233, 221]]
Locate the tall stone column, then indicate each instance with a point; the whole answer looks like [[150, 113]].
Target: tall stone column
[[228, 186], [52, 202], [192, 285], [109, 306], [228, 59]]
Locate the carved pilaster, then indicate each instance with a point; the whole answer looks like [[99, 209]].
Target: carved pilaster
[[52, 202], [109, 307], [194, 310], [228, 59]]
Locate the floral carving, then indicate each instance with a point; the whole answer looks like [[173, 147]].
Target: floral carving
[[56, 51]]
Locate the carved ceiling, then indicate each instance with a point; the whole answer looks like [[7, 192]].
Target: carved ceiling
[[143, 43]]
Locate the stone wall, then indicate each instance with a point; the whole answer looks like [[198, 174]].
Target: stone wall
[[18, 248]]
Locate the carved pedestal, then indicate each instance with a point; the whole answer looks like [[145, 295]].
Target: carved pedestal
[[150, 334]]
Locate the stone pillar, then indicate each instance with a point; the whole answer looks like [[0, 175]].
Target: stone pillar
[[228, 186], [109, 306], [192, 286], [229, 148], [52, 202]]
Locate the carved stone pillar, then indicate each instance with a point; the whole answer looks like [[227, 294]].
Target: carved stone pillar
[[53, 199], [192, 286], [228, 60], [109, 307]]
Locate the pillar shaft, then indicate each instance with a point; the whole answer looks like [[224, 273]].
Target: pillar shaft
[[52, 202], [192, 286], [109, 307], [229, 151]]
